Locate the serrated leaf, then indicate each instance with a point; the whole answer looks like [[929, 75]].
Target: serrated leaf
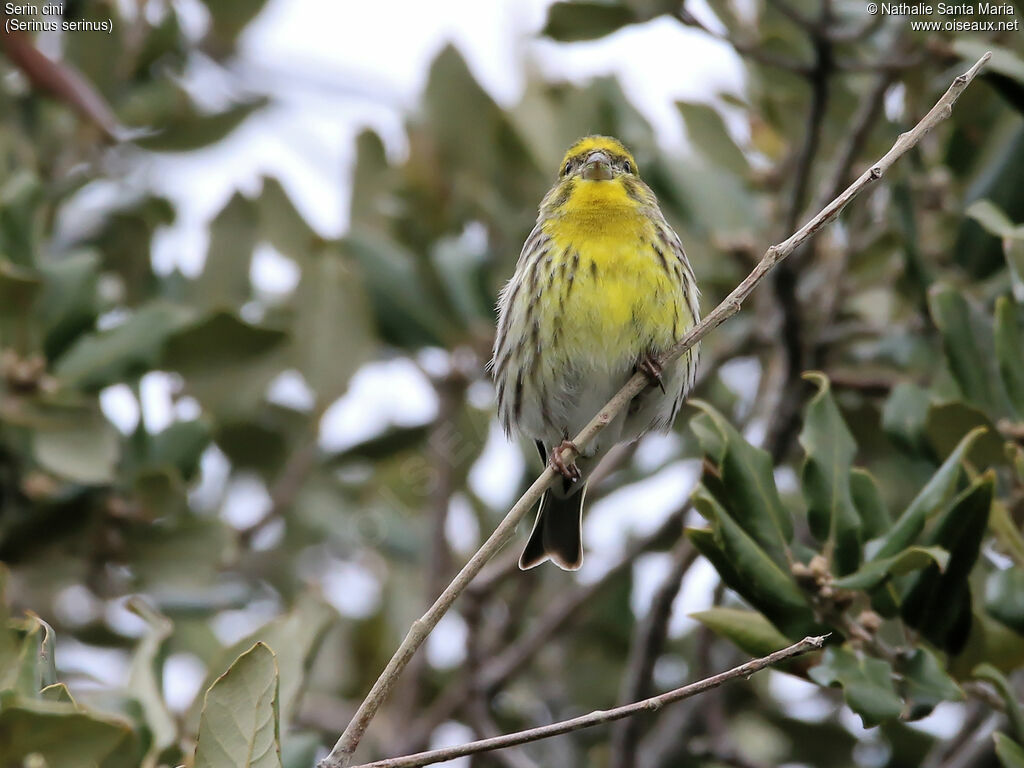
[[750, 631], [867, 684], [748, 488], [875, 573], [830, 449], [936, 492], [748, 570], [926, 684], [939, 603], [239, 726]]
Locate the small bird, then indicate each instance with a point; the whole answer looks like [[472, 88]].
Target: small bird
[[602, 288]]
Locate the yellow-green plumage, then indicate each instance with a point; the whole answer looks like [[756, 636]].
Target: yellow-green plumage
[[602, 284]]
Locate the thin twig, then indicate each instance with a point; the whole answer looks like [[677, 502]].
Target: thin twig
[[599, 717], [341, 754], [552, 619]]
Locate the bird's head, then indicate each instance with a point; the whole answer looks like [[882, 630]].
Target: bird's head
[[598, 176], [597, 158]]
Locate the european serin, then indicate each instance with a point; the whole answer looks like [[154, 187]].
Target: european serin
[[601, 289]]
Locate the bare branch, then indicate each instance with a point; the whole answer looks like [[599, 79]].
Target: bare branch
[[341, 755], [598, 717]]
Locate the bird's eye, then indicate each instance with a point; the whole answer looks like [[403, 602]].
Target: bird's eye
[[568, 167], [627, 167]]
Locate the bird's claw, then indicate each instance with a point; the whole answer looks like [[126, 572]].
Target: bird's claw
[[569, 471], [651, 368]]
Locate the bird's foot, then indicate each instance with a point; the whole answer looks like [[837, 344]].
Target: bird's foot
[[569, 471], [651, 368]]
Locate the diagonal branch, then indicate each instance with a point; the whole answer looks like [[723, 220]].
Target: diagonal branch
[[598, 717], [341, 754]]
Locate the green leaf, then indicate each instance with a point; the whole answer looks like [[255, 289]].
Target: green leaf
[[332, 331], [936, 492], [124, 352], [938, 603], [948, 422], [1009, 345], [181, 445], [230, 17], [866, 682], [1009, 752], [748, 570], [830, 449], [219, 341], [751, 632], [19, 288], [710, 137], [159, 492], [225, 282], [65, 736], [69, 303], [875, 573], [573, 21], [239, 724], [747, 487], [144, 680], [967, 336], [85, 452], [1013, 250], [406, 314], [926, 684], [26, 657], [994, 220], [867, 498], [1004, 597], [905, 415], [187, 129], [1014, 711], [295, 638]]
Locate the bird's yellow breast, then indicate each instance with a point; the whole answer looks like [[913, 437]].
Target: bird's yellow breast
[[618, 297]]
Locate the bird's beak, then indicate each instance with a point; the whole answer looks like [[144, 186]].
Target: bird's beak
[[598, 167]]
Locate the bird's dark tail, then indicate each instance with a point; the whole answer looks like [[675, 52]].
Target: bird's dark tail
[[557, 533]]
